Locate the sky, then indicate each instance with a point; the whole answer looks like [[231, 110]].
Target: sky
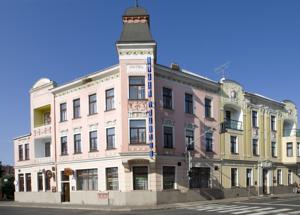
[[66, 39]]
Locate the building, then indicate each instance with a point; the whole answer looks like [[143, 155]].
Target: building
[[137, 133]]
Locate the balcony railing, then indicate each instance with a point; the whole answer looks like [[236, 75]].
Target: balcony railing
[[44, 130], [291, 132], [232, 124]]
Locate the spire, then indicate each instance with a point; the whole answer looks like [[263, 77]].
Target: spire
[[136, 3]]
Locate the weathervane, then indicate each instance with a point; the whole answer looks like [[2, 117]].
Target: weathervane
[[221, 69]]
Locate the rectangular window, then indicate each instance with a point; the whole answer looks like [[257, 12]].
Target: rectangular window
[[21, 152], [110, 138], [168, 137], [137, 131], [255, 147], [140, 177], [87, 179], [77, 143], [233, 145], [167, 98], [189, 139], [189, 103], [64, 145], [298, 149], [168, 177], [290, 177], [63, 112], [200, 177], [27, 151], [208, 112], [254, 119], [289, 149], [93, 141], [76, 108], [274, 149], [92, 104], [47, 149], [110, 99], [47, 182], [28, 182], [279, 177], [273, 123], [249, 177], [21, 182], [234, 177], [40, 181], [209, 141], [112, 179], [137, 87]]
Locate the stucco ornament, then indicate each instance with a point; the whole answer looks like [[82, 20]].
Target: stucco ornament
[[233, 94]]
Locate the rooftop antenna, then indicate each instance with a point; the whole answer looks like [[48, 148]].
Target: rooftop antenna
[[222, 69], [136, 3]]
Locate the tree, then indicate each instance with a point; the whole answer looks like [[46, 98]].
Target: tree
[[7, 187]]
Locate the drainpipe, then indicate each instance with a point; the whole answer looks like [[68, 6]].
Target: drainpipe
[[54, 141]]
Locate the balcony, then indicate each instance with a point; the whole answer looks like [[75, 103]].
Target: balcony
[[42, 131], [43, 160], [291, 133], [232, 124]]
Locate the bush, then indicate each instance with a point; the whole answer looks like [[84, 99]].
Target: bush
[[8, 188]]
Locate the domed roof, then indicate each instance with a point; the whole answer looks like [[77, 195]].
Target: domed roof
[[136, 11], [41, 82]]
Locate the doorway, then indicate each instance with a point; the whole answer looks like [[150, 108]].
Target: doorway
[[266, 182], [65, 194]]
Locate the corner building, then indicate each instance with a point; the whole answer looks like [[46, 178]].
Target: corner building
[[137, 133]]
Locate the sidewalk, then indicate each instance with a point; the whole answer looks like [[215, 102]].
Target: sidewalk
[[135, 208]]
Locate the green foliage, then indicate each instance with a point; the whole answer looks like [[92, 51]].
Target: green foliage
[[7, 187]]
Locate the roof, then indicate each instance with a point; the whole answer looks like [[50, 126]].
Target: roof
[[136, 32], [136, 11]]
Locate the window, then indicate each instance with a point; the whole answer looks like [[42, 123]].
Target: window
[[112, 179], [76, 108], [249, 176], [274, 149], [189, 103], [255, 147], [28, 182], [137, 131], [189, 139], [64, 145], [77, 143], [168, 177], [208, 113], [21, 182], [110, 138], [110, 97], [227, 116], [26, 151], [168, 137], [47, 182], [140, 177], [279, 177], [92, 104], [93, 141], [47, 118], [298, 149], [20, 152], [234, 177], [137, 87], [200, 177], [289, 149], [87, 179], [290, 179], [40, 181], [63, 112], [233, 145], [167, 98], [209, 141], [254, 119], [47, 149], [273, 123]]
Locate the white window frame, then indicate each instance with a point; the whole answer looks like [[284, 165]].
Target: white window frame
[[162, 176], [146, 124], [251, 177]]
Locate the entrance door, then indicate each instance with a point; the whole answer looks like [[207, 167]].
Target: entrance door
[[265, 182], [200, 177], [65, 192]]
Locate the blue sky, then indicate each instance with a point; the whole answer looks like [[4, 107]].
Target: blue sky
[[65, 39]]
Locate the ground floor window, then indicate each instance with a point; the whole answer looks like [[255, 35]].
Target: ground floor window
[[87, 179], [200, 177], [234, 177], [28, 182], [40, 181], [140, 177], [112, 179], [249, 177], [47, 182], [168, 177], [290, 180], [279, 176], [21, 182]]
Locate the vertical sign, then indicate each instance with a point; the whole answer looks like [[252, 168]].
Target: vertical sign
[[150, 107]]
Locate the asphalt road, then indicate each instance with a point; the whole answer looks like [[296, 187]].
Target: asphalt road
[[283, 206]]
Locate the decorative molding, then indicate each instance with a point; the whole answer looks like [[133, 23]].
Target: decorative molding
[[190, 126], [135, 52], [136, 114], [111, 123], [168, 122], [137, 105], [64, 132], [93, 127], [77, 130], [137, 69]]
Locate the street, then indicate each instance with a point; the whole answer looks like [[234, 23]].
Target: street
[[276, 206]]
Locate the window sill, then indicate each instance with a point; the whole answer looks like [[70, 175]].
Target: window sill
[[77, 153], [190, 114], [92, 151], [134, 144], [111, 149], [144, 99], [64, 154], [255, 127], [110, 110], [76, 118], [63, 121], [168, 109], [210, 119], [92, 114], [234, 153]]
